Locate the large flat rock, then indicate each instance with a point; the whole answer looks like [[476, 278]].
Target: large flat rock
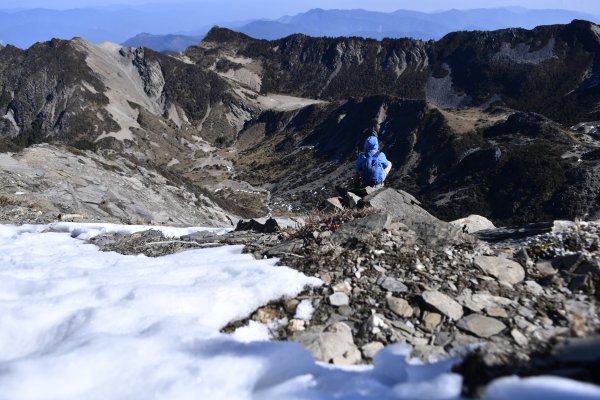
[[481, 326], [405, 208], [506, 271], [444, 304]]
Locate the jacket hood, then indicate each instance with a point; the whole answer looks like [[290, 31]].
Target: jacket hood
[[371, 144]]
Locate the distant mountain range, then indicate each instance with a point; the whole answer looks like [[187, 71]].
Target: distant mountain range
[[163, 43], [172, 27], [378, 25]]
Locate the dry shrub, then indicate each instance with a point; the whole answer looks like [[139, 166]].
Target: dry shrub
[[8, 201], [330, 221]]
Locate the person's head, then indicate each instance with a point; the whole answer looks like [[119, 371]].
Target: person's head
[[371, 144]]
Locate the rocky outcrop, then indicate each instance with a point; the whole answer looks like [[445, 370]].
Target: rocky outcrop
[[59, 182], [447, 72]]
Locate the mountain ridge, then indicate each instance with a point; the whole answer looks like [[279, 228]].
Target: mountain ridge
[[258, 126]]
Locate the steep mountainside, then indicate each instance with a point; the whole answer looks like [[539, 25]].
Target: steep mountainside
[[474, 123], [551, 70]]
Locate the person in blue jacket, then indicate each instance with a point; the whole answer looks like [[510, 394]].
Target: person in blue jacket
[[372, 166]]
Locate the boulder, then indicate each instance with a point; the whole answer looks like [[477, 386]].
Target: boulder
[[504, 270], [270, 226], [333, 204], [400, 307], [339, 299], [352, 200], [431, 321], [333, 344], [392, 285], [473, 223], [405, 208], [362, 229], [443, 304], [370, 349], [481, 326]]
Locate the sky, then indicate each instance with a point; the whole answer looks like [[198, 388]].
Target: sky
[[295, 6]]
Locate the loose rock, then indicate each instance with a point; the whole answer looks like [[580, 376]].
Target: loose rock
[[339, 299], [481, 326], [443, 304], [506, 271]]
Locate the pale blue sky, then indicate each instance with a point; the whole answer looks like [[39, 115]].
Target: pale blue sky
[[282, 7]]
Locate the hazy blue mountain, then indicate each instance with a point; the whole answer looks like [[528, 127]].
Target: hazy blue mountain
[[116, 23], [120, 23], [163, 43], [398, 24], [403, 23]]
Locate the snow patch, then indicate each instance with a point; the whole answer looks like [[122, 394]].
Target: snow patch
[[89, 87], [541, 388], [10, 116], [305, 310]]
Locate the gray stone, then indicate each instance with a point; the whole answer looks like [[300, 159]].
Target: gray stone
[[481, 326], [333, 344], [400, 307], [392, 285], [290, 305], [545, 268], [343, 287], [405, 208], [519, 338], [289, 246], [339, 299], [506, 271], [353, 200], [534, 288], [473, 223], [333, 204], [370, 349], [346, 311], [443, 338], [443, 304], [362, 229], [431, 321], [478, 301], [497, 312]]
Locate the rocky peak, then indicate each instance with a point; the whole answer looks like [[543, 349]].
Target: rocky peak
[[218, 35]]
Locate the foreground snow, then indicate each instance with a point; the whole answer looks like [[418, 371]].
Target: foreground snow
[[76, 323]]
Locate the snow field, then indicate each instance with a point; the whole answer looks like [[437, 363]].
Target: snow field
[[77, 323]]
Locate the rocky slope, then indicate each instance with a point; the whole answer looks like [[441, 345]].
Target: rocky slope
[[548, 70], [260, 126], [393, 273]]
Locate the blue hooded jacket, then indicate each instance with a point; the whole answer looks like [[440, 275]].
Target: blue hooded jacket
[[371, 147]]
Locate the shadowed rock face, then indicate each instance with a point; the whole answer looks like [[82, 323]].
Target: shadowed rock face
[[552, 70], [515, 170]]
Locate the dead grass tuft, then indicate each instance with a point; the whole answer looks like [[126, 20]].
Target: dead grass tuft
[[8, 201], [330, 221]]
